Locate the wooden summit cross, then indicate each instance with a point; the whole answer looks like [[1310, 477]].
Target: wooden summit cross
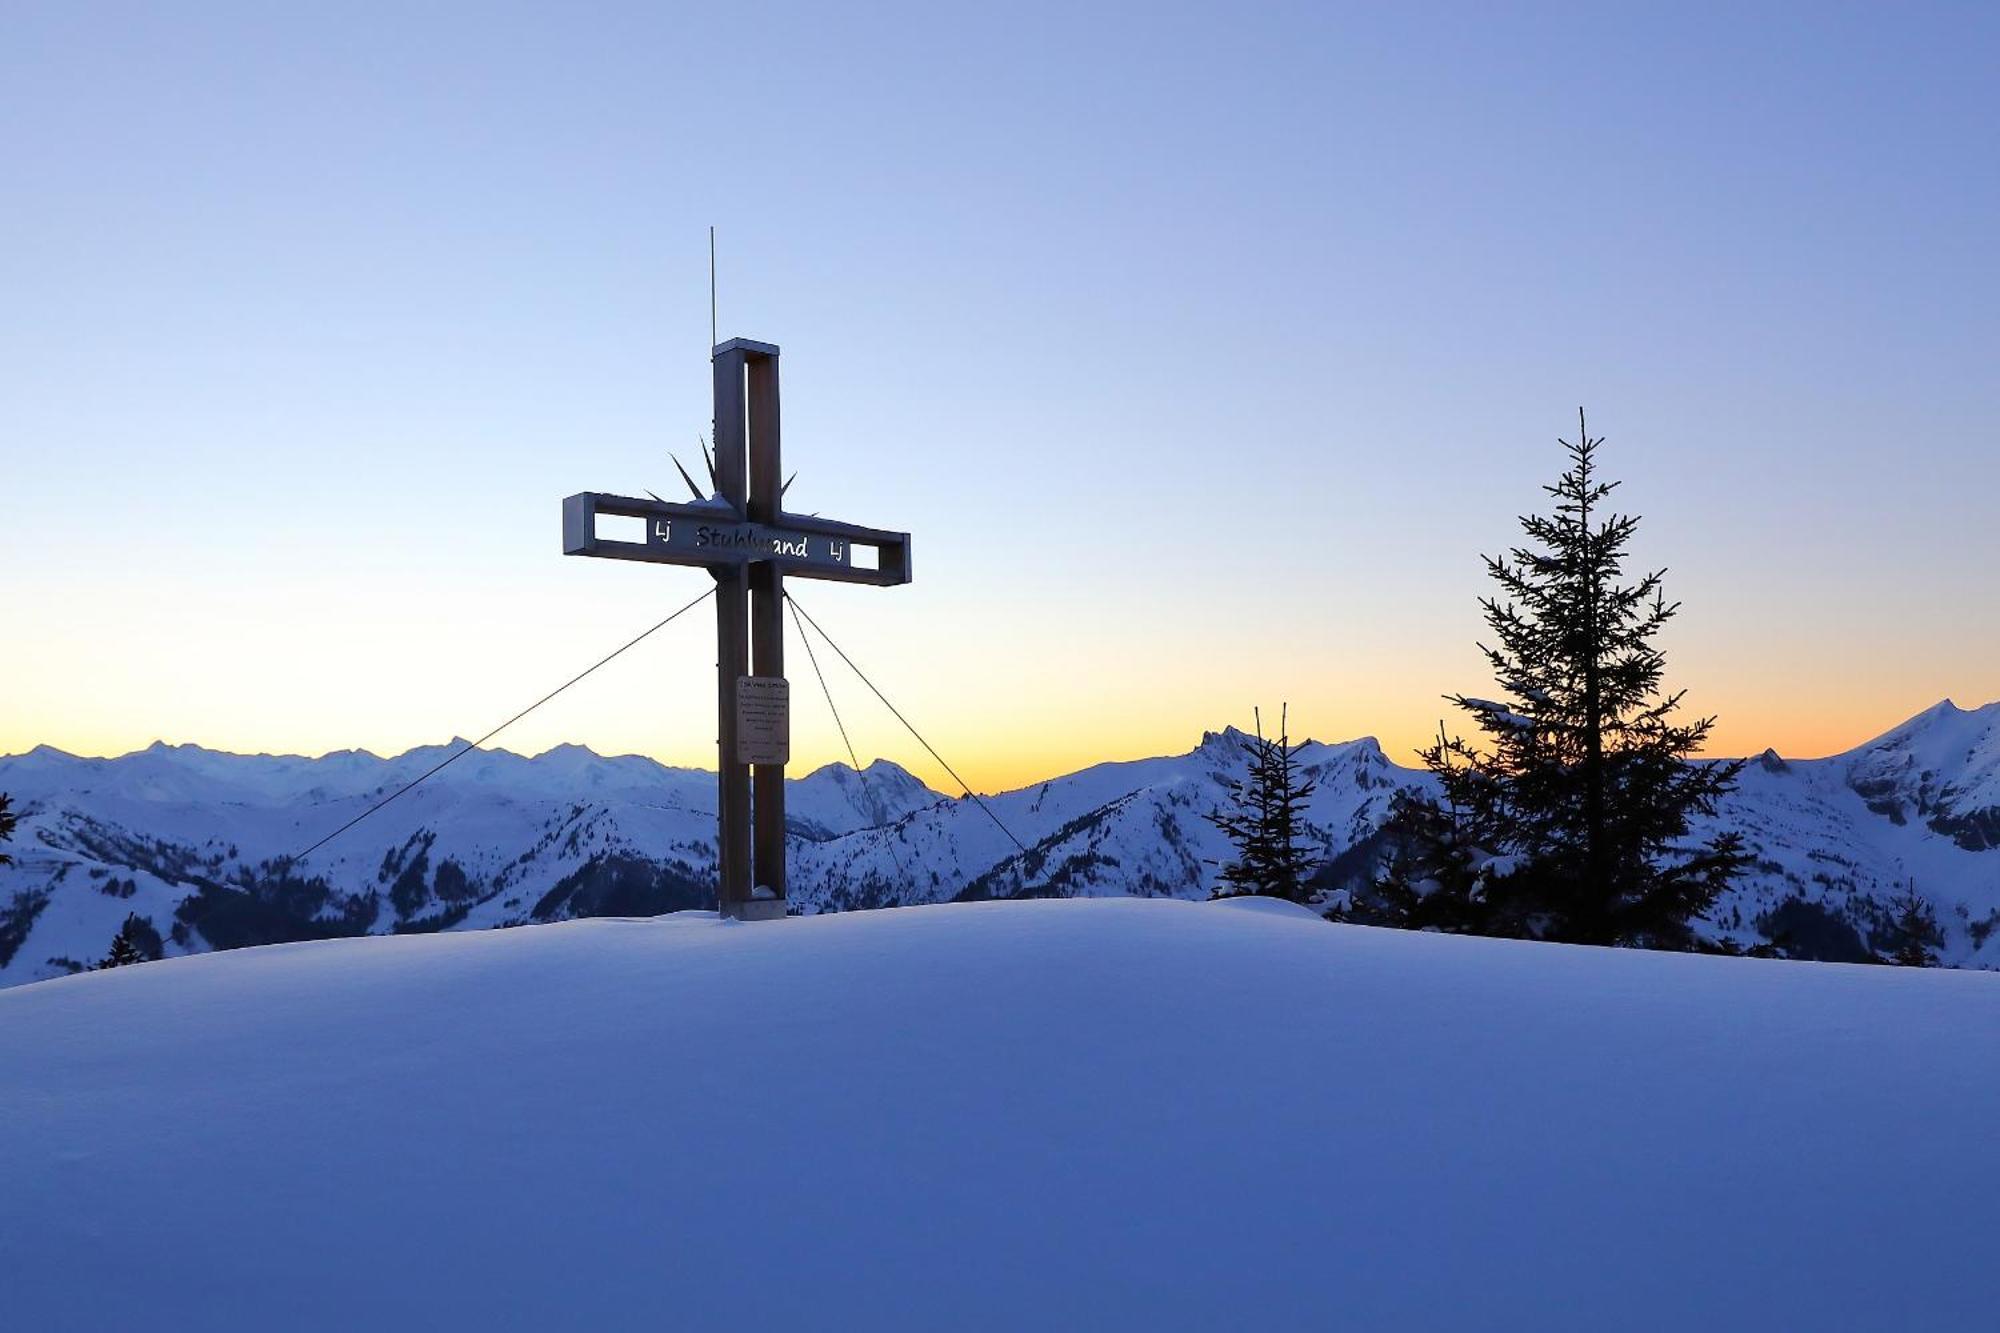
[[743, 537]]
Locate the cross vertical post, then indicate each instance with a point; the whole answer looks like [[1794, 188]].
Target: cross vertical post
[[767, 616], [732, 634]]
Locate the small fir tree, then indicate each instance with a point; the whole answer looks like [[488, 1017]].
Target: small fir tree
[[1432, 877], [7, 821], [135, 942], [1572, 820], [1265, 822], [1915, 931], [123, 952]]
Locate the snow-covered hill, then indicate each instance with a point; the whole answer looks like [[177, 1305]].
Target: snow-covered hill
[[1098, 1114], [189, 840], [1835, 839]]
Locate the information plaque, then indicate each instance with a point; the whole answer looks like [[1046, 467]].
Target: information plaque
[[763, 720]]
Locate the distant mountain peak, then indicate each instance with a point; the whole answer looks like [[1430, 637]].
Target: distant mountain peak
[[1944, 723], [1949, 710], [890, 768], [48, 752], [567, 749]]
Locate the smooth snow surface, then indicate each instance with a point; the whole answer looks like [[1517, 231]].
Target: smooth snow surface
[[1122, 1114]]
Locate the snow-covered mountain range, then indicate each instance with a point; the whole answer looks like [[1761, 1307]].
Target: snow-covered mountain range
[[190, 840]]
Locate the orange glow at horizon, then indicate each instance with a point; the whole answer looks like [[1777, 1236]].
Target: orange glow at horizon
[[1000, 759]]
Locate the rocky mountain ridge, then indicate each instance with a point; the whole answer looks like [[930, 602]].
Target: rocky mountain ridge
[[193, 841]]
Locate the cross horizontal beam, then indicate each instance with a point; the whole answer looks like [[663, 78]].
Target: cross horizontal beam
[[712, 534]]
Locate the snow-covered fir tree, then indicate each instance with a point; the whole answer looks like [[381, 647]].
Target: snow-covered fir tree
[[1569, 817]]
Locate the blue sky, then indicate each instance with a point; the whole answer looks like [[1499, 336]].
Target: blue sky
[[1202, 350]]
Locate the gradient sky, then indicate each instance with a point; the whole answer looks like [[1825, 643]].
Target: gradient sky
[[1202, 350]]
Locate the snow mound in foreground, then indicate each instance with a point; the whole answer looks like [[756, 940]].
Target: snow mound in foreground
[[1106, 1114]]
